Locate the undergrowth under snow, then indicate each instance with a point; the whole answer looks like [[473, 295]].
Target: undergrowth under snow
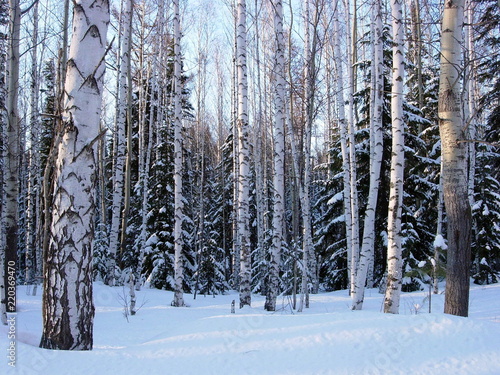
[[328, 338]]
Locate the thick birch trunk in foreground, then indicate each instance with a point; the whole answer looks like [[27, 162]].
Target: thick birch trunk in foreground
[[120, 139], [376, 149], [394, 250], [11, 163], [454, 157], [244, 159], [279, 155], [178, 204], [68, 309]]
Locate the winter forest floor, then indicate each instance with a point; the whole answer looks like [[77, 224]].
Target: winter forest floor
[[327, 338]]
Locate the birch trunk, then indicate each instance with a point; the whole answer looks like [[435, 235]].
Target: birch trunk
[[353, 250], [279, 156], [394, 247], [33, 160], [348, 159], [308, 259], [11, 161], [243, 158], [178, 170], [68, 310], [236, 261], [120, 145], [376, 149], [454, 156]]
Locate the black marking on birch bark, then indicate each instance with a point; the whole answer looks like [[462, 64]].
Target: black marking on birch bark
[[448, 101], [93, 32], [78, 8], [103, 2], [91, 83]]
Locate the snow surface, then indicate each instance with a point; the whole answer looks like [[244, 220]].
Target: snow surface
[[327, 338]]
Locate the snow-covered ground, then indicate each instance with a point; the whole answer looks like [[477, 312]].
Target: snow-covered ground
[[328, 338]]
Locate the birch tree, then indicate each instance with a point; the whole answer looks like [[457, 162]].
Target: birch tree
[[120, 139], [348, 154], [11, 157], [394, 247], [376, 149], [243, 182], [454, 158], [279, 156], [68, 309], [178, 203], [32, 196]]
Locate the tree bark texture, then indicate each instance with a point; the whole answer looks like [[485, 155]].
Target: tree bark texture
[[243, 158], [178, 202], [394, 247], [11, 155], [279, 155], [68, 309], [454, 158]]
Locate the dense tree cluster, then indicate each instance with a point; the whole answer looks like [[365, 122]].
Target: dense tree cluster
[[255, 153]]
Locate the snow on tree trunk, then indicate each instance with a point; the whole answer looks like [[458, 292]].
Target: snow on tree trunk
[[454, 156], [279, 155], [68, 309], [243, 158], [394, 247], [120, 139], [376, 150], [178, 170]]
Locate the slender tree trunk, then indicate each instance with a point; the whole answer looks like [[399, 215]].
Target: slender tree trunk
[[376, 149], [279, 156], [454, 155], [353, 250], [33, 159], [120, 146], [243, 159], [236, 261], [178, 202], [348, 158], [394, 247], [11, 163], [68, 309]]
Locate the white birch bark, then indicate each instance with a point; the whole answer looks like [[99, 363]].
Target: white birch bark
[[470, 95], [178, 169], [353, 250], [120, 139], [454, 155], [11, 160], [376, 149], [258, 154], [33, 159], [236, 256], [394, 246], [68, 309], [309, 259], [348, 157], [279, 156], [243, 158]]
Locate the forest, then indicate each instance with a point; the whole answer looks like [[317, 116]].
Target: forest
[[270, 147]]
